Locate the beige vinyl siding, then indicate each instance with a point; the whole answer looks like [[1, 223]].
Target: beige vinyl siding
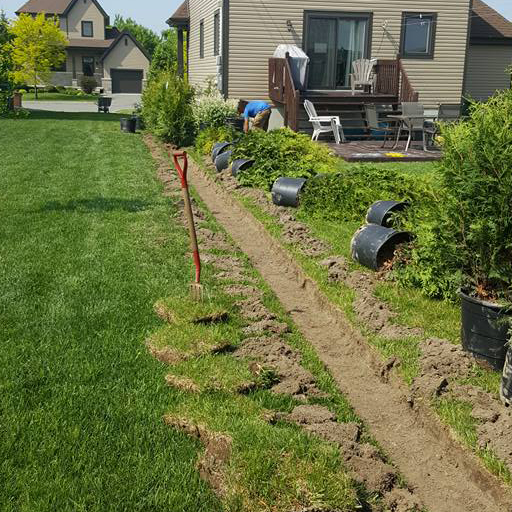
[[257, 27], [201, 69], [486, 70], [85, 10], [124, 56]]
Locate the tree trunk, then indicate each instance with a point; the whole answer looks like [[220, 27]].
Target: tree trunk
[[35, 84]]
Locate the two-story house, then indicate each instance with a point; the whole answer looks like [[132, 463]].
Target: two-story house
[[436, 51], [116, 59]]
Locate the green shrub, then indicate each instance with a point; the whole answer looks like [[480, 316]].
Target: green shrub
[[51, 88], [207, 138], [347, 195], [211, 110], [167, 108], [88, 84], [280, 153], [22, 91], [465, 239]]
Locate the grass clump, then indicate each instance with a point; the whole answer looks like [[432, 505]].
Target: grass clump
[[183, 309]]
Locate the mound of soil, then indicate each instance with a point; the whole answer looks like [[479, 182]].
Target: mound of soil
[[272, 352], [253, 309], [217, 451], [182, 383], [266, 327]]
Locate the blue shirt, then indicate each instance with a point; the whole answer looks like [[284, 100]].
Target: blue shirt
[[253, 108]]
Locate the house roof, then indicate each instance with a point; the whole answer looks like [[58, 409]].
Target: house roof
[[90, 43], [488, 24], [181, 17], [49, 6], [116, 41], [53, 7]]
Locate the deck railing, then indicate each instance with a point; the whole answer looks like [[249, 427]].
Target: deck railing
[[282, 90], [407, 92]]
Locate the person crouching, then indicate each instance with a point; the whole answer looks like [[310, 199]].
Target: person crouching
[[258, 111]]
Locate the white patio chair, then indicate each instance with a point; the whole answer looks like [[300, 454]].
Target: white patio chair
[[363, 74], [334, 124]]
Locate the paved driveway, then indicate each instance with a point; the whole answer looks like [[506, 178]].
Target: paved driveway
[[119, 102]]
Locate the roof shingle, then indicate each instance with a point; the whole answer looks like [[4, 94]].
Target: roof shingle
[[181, 16], [48, 6], [486, 23]]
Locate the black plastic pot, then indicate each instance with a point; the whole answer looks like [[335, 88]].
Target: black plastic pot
[[381, 212], [286, 191], [218, 148], [128, 125], [484, 330], [139, 123], [222, 161], [506, 380], [236, 122], [373, 245], [240, 165]]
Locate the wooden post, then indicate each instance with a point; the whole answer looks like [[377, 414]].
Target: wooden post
[[180, 53]]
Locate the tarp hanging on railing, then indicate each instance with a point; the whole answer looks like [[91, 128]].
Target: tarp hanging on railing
[[298, 63]]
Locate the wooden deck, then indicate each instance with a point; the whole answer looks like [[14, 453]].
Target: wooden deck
[[371, 151]]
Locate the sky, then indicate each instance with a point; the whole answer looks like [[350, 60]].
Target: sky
[[150, 13], [153, 13]]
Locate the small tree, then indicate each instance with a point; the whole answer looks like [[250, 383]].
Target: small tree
[[6, 85], [165, 57], [37, 47]]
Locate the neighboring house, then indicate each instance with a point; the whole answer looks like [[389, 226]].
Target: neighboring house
[[234, 40], [490, 52], [116, 59]]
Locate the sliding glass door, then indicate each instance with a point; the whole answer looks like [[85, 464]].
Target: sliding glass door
[[333, 42]]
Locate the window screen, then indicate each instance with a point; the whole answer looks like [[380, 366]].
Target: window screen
[[201, 39], [418, 35], [216, 33]]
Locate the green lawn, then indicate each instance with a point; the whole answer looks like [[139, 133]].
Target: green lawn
[[58, 96], [87, 246]]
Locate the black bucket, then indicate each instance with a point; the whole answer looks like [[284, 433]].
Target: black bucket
[[240, 165], [127, 125], [236, 122], [218, 148], [139, 123], [373, 245], [286, 191], [484, 331], [222, 161], [381, 212]]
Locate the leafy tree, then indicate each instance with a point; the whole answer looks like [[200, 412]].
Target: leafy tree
[[38, 46], [165, 56], [145, 36], [6, 85]]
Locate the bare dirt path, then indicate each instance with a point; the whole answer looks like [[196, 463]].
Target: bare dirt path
[[445, 477]]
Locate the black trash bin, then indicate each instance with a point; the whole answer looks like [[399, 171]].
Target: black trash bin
[[128, 125]]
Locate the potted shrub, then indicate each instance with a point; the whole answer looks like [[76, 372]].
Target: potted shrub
[[477, 176]]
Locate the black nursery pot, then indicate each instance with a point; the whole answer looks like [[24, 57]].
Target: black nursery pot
[[484, 331], [240, 165], [127, 125], [219, 148], [381, 212], [222, 161], [236, 122], [286, 191], [373, 245], [139, 123]]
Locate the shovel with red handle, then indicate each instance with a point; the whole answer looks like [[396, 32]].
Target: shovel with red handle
[[196, 287]]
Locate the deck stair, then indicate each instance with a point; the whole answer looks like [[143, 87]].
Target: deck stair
[[392, 87]]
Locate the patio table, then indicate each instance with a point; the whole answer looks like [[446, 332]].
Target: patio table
[[402, 119]]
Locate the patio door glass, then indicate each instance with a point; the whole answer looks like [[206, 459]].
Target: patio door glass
[[332, 43]]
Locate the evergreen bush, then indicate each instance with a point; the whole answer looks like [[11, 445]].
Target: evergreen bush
[[167, 108]]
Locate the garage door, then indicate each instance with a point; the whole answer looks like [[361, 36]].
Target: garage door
[[126, 81]]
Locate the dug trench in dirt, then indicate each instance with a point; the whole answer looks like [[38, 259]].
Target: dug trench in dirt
[[444, 476], [265, 343], [445, 371]]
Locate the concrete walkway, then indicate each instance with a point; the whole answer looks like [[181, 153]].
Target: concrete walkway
[[119, 102]]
